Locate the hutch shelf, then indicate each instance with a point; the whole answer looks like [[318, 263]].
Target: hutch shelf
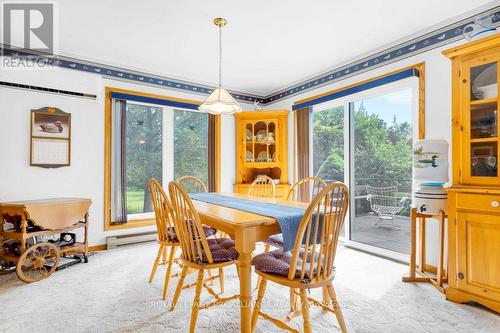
[[261, 149], [474, 198]]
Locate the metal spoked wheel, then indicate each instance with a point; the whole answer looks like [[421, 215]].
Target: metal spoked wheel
[[37, 262], [6, 267]]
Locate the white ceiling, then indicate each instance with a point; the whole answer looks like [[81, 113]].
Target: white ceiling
[[267, 44]]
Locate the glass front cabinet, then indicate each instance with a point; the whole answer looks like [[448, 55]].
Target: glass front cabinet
[[479, 131], [474, 198], [261, 149]]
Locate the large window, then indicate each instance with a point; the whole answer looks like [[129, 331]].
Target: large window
[[365, 141], [144, 154], [191, 144], [150, 137]]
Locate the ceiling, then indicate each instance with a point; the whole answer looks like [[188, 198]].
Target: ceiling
[[267, 44]]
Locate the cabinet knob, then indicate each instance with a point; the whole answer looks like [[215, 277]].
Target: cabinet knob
[[461, 276], [495, 204]]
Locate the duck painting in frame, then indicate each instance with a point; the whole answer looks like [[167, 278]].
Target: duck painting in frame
[[50, 138]]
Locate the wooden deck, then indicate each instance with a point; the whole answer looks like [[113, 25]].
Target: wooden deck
[[383, 236]]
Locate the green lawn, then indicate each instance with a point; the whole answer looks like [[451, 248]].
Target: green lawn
[[135, 201]]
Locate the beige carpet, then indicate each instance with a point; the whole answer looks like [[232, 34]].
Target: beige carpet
[[111, 294]]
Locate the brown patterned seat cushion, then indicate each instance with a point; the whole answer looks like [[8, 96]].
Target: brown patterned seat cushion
[[172, 236], [278, 262], [275, 240], [222, 250]]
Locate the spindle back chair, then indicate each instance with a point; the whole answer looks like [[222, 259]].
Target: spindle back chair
[[192, 184], [198, 252], [305, 189], [312, 262], [262, 187], [166, 232]]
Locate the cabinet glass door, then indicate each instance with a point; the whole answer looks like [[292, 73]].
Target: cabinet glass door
[[272, 142], [248, 143], [481, 129]]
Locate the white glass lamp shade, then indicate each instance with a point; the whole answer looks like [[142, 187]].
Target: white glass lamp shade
[[220, 102], [430, 161]]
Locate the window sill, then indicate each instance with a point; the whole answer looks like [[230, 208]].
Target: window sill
[[137, 223]]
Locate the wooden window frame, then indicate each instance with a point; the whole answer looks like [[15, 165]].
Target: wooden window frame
[[137, 223]]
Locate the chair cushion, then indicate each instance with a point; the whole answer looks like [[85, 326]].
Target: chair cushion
[[278, 262], [222, 250], [275, 240], [172, 235]]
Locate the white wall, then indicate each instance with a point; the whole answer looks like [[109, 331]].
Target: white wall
[[437, 107], [85, 176]]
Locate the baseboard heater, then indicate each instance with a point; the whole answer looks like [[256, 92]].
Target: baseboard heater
[[116, 241]]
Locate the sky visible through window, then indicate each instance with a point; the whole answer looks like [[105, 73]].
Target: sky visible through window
[[398, 103]]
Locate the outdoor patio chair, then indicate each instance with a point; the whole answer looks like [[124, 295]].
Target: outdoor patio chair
[[386, 203]]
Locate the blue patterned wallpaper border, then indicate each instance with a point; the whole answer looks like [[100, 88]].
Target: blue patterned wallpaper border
[[434, 39], [123, 74]]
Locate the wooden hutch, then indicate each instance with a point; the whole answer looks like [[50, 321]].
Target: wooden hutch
[[261, 149], [474, 198]]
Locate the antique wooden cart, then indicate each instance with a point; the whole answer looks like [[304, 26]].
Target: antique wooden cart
[[27, 232]]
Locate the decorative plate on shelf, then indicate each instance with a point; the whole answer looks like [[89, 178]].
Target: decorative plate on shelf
[[261, 135], [249, 156], [262, 157], [485, 84], [248, 135]]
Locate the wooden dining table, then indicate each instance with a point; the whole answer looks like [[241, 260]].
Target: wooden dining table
[[246, 229]]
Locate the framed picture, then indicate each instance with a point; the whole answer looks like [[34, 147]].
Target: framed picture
[[50, 145]]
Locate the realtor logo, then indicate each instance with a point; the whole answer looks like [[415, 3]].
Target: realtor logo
[[29, 26]]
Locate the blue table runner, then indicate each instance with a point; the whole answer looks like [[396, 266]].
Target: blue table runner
[[287, 217]]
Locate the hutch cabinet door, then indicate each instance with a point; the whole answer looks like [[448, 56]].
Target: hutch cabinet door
[[478, 249], [480, 125]]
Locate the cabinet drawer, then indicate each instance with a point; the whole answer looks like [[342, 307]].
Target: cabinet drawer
[[483, 202]]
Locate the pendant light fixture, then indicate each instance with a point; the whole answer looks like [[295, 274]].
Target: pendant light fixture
[[220, 101]]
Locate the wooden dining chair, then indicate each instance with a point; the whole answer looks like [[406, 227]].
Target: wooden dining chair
[[192, 184], [198, 252], [304, 190], [262, 187], [311, 263], [167, 237]]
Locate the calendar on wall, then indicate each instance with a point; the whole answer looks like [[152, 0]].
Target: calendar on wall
[[50, 138]]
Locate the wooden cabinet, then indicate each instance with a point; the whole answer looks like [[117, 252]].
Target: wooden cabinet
[[262, 149], [474, 198], [475, 124], [474, 246]]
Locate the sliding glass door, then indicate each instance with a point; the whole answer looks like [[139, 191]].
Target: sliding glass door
[[365, 141], [328, 139], [328, 144], [380, 178]]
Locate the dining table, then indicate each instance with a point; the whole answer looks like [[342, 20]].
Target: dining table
[[246, 229]]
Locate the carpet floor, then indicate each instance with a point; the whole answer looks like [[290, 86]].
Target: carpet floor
[[111, 294]]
